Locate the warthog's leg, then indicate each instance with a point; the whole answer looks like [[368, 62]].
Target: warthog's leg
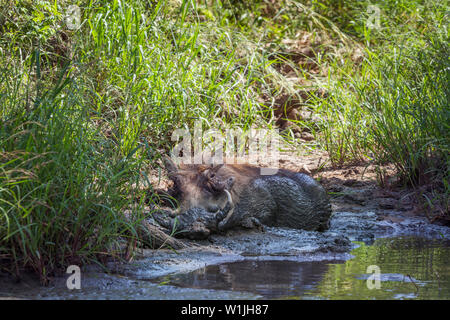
[[163, 218], [151, 235], [155, 237]]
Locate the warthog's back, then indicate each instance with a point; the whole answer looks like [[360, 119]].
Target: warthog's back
[[287, 199]]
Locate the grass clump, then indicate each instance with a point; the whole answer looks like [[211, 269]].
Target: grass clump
[[394, 107], [63, 187], [85, 113]]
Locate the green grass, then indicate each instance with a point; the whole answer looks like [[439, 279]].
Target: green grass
[[394, 108], [63, 185], [86, 113]]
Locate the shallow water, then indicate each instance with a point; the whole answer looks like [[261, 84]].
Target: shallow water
[[411, 268], [414, 263]]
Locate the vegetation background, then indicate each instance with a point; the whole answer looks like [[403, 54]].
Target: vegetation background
[[86, 110]]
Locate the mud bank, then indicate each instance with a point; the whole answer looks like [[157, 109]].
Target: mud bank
[[284, 244], [187, 273]]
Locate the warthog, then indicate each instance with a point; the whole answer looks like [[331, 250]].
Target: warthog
[[216, 198]]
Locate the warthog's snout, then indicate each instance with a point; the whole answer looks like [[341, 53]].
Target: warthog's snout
[[199, 186]]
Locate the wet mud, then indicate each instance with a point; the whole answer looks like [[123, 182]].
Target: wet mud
[[276, 264]]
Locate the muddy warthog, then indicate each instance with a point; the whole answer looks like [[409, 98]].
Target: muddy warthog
[[216, 198]]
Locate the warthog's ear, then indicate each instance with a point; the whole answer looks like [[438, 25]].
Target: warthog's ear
[[202, 168], [209, 171], [216, 167], [171, 167]]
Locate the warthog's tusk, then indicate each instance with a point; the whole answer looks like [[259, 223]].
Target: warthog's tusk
[[230, 212], [230, 199]]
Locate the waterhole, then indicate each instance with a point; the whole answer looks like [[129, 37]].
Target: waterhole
[[409, 268]]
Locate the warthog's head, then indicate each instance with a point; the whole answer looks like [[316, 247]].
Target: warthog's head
[[199, 186]]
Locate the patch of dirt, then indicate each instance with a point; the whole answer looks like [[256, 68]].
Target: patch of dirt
[[293, 58], [301, 55], [301, 64], [364, 186], [289, 110]]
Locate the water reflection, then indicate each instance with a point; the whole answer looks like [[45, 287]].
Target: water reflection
[[271, 279], [411, 268]]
